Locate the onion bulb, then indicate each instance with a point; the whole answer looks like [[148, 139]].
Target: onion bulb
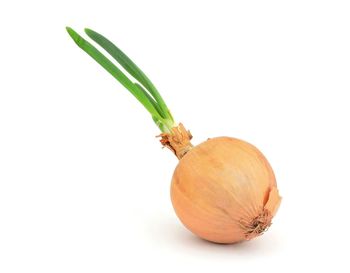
[[224, 189]]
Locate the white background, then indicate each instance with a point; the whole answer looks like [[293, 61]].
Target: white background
[[84, 184]]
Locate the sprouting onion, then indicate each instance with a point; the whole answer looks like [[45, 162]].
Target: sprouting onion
[[223, 190]]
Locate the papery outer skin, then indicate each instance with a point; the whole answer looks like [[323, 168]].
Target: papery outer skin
[[220, 184]]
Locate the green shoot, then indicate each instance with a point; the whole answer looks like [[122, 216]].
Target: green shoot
[[130, 67], [162, 119]]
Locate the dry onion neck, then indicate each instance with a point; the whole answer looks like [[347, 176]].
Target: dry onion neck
[[178, 140]]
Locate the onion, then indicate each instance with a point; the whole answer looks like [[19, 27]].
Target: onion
[[224, 189]]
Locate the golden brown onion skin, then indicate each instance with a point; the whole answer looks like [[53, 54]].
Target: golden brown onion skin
[[224, 190]]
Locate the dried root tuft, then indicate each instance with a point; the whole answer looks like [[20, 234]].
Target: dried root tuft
[[258, 225]]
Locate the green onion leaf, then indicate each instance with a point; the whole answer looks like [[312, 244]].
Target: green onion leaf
[[151, 99], [116, 73], [131, 68]]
